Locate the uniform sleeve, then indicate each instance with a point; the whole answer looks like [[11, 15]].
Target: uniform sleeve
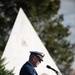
[[26, 71]]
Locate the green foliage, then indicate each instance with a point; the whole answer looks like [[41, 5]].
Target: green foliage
[[53, 35], [44, 18], [3, 70]]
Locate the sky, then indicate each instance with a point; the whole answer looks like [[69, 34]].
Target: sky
[[67, 8]]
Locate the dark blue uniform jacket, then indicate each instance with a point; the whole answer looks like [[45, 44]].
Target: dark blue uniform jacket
[[28, 69]]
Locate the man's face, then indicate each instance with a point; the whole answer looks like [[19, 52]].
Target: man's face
[[36, 61]]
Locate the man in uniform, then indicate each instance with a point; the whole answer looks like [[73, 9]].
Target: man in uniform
[[35, 59]]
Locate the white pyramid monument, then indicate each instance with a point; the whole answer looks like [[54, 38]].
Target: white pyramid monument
[[22, 40]]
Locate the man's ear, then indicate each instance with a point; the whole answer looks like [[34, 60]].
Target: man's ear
[[34, 58]]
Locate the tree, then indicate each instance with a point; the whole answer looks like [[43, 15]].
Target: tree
[[4, 71], [44, 18]]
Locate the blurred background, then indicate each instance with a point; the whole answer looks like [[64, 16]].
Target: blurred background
[[54, 23]]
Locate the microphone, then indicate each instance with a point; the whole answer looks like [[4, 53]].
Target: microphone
[[49, 67]]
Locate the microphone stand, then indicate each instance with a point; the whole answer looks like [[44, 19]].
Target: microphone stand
[[52, 69]]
